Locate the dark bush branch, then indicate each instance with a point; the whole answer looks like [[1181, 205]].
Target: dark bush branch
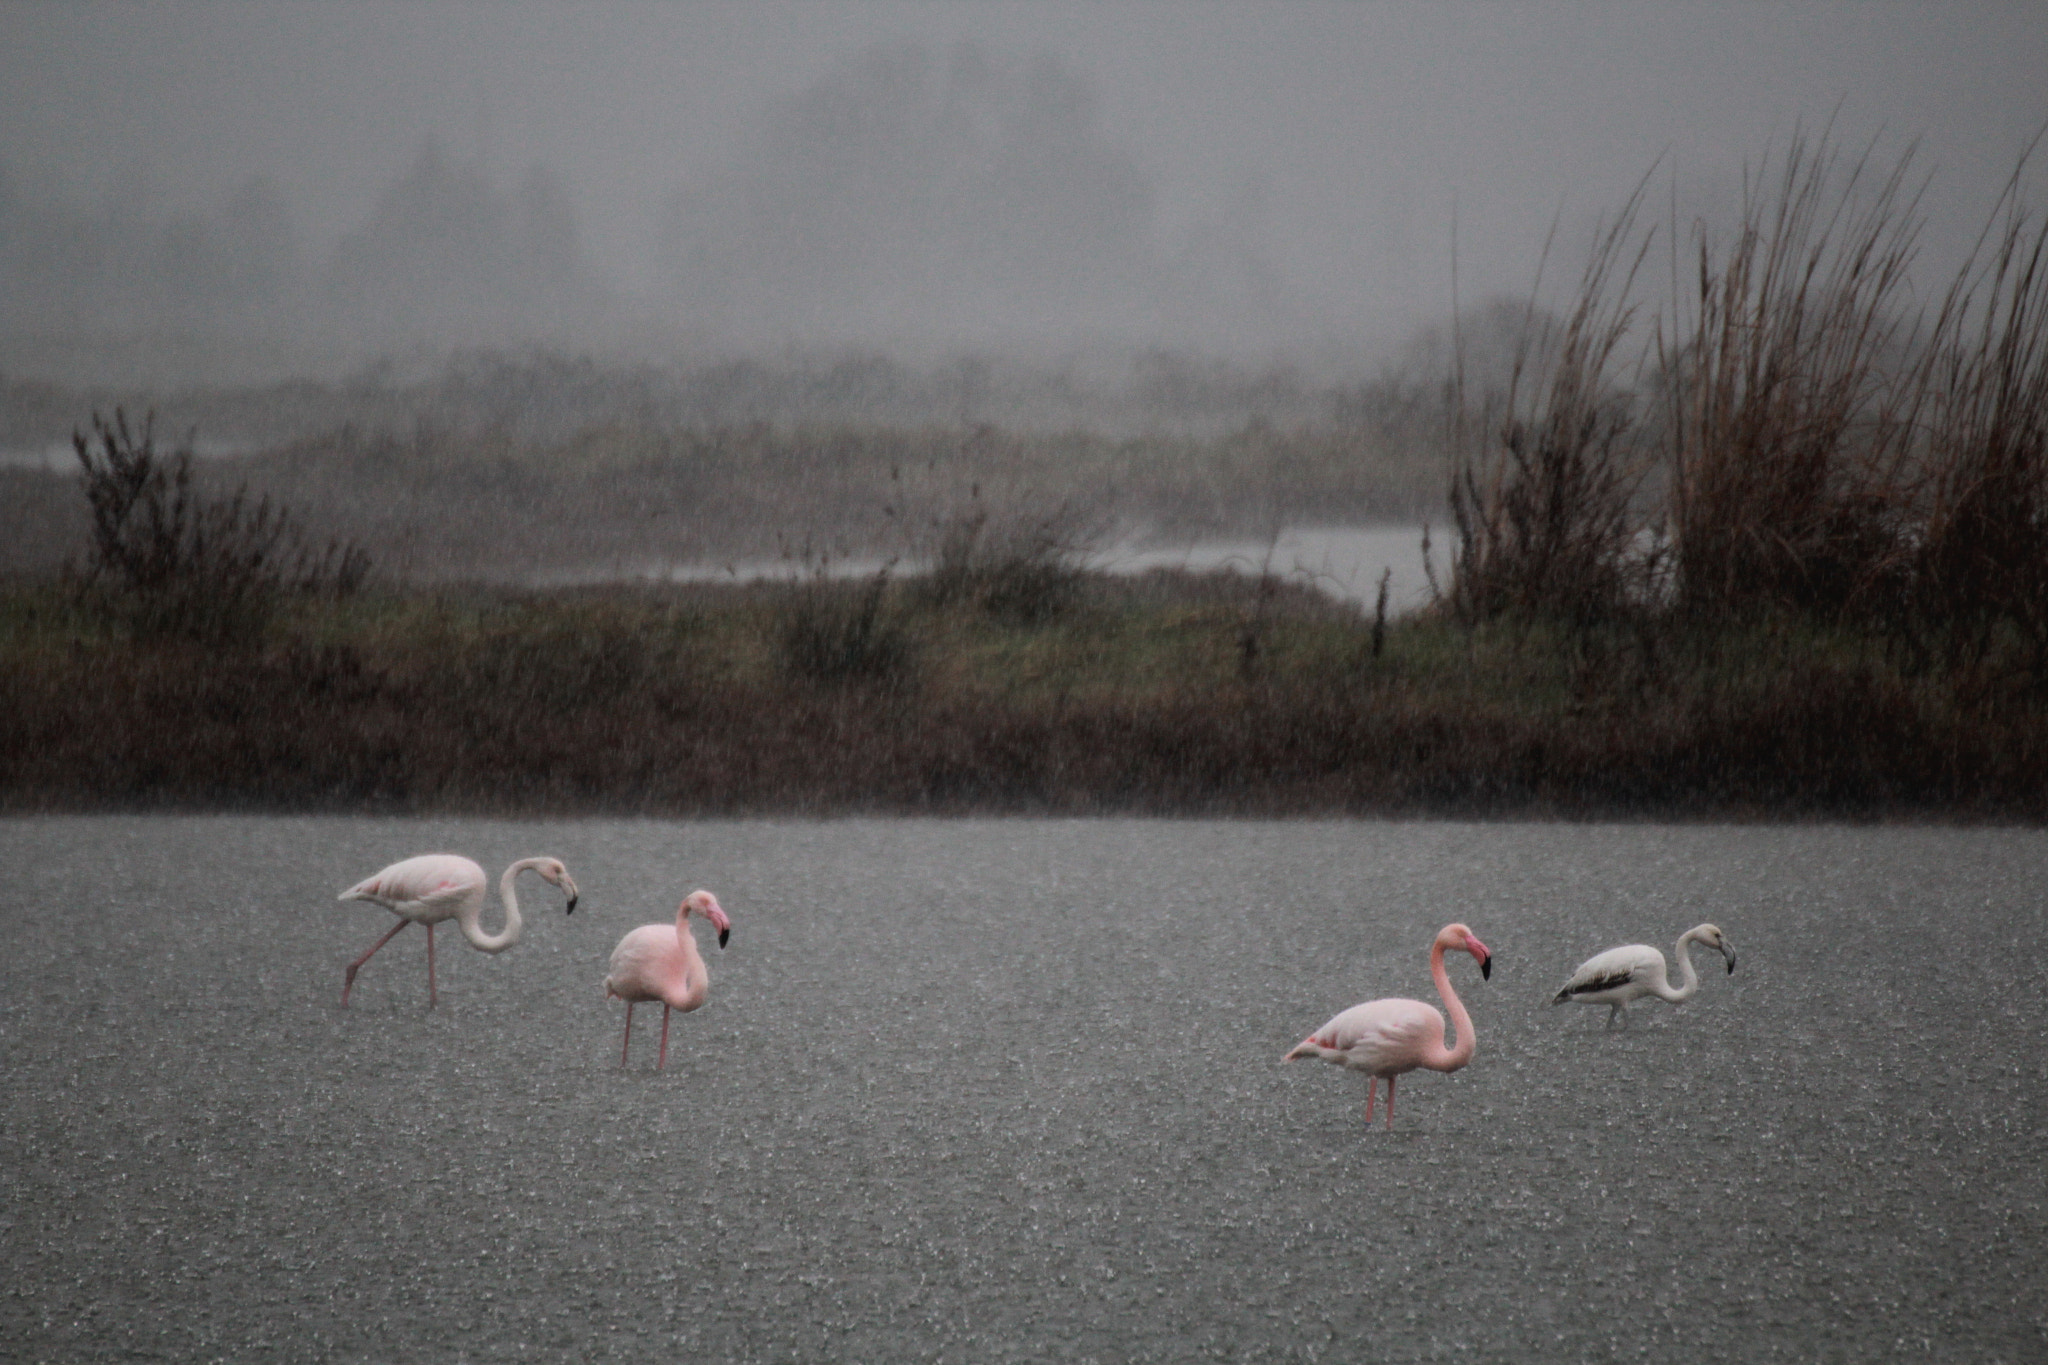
[[175, 563]]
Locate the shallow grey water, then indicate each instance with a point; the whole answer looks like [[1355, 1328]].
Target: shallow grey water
[[1010, 1090], [1345, 562]]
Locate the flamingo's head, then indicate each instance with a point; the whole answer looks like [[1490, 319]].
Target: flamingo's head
[[552, 870], [1457, 938], [1711, 935], [705, 904]]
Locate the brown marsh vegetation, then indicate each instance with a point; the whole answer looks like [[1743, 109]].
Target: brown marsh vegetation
[[512, 467], [1776, 544], [1131, 694], [1796, 437]]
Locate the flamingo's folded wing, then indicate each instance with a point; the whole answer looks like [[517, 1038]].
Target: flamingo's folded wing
[[438, 881], [1401, 1032], [1383, 1030], [1615, 967], [1605, 981]]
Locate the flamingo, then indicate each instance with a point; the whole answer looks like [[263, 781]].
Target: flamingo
[[1619, 975], [1391, 1037], [661, 962], [438, 886]]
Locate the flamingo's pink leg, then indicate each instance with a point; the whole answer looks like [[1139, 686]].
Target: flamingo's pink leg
[[348, 979], [1390, 1104], [664, 1040], [1372, 1092], [433, 996], [629, 1035]]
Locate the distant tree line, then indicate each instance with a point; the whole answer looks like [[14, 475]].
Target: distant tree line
[[445, 253], [905, 193]]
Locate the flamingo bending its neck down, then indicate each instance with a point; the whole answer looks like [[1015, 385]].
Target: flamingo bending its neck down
[[1619, 975], [440, 886], [1390, 1037], [661, 962]]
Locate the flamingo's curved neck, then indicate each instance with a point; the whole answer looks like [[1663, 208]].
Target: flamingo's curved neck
[[1450, 1059], [471, 916], [693, 978], [1688, 979]]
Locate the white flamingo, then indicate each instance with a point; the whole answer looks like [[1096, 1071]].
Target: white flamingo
[[1392, 1037], [440, 886], [1619, 975]]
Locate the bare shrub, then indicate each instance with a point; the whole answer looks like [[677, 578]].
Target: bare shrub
[[1025, 568], [1546, 520], [1790, 393], [173, 562]]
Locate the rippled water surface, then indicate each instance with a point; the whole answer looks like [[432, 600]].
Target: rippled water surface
[[1011, 1090]]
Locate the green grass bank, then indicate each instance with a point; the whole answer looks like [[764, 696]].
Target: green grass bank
[[1163, 694]]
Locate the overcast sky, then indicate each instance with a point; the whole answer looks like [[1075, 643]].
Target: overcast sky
[[1332, 140]]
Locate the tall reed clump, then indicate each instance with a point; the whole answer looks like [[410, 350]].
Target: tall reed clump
[[1982, 554], [1545, 518], [169, 562], [1791, 389], [1024, 568], [1808, 442], [837, 631]]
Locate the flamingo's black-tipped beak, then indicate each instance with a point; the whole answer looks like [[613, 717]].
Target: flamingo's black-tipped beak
[[1486, 968], [723, 935], [572, 906]]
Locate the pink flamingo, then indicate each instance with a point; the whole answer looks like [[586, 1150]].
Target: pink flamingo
[[1390, 1037], [661, 962], [438, 886]]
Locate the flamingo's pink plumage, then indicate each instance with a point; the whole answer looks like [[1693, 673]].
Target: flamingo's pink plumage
[[661, 962], [1390, 1037]]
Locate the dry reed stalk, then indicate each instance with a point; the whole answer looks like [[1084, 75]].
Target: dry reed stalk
[[1983, 549], [1547, 529], [1790, 392]]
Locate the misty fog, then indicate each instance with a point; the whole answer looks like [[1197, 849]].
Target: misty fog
[[1193, 268], [227, 192]]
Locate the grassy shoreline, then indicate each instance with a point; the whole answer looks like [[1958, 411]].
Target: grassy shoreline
[[1169, 694], [1776, 546]]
